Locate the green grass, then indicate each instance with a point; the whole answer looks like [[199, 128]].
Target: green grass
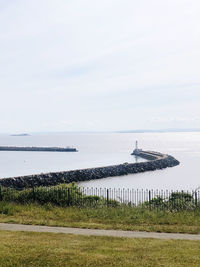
[[122, 217], [20, 249]]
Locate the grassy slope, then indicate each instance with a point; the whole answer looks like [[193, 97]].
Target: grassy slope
[[44, 249], [103, 218]]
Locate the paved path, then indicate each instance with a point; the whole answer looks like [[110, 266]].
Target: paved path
[[96, 232]]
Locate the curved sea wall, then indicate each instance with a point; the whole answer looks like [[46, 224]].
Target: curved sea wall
[[156, 161]]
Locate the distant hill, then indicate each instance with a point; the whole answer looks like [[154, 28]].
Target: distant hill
[[23, 134], [159, 131]]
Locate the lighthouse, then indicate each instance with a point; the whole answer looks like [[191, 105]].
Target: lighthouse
[[136, 150], [136, 146]]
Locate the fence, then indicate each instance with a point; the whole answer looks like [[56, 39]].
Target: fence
[[72, 195], [164, 199]]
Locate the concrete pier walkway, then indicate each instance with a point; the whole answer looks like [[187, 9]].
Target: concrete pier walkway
[[96, 232]]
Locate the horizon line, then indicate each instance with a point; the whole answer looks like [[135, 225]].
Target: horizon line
[[108, 131]]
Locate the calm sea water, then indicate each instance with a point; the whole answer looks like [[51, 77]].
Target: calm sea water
[[107, 149]]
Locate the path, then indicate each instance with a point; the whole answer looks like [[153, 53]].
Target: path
[[96, 232]]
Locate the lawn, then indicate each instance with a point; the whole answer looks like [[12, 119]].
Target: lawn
[[47, 249], [123, 217]]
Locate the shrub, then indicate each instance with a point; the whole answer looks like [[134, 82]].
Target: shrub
[[62, 195], [181, 200]]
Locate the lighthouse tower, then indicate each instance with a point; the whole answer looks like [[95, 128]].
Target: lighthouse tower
[[136, 146], [136, 150]]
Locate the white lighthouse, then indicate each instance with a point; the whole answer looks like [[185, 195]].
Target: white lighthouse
[[136, 150], [136, 146]]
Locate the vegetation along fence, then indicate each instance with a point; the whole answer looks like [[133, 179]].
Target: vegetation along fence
[[72, 195]]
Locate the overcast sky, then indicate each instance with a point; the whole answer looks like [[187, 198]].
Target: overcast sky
[[80, 65]]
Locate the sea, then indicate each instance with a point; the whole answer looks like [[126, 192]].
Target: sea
[[104, 149]]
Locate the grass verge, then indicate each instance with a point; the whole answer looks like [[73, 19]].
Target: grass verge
[[122, 217], [45, 249]]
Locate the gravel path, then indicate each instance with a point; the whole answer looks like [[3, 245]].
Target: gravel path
[[96, 232]]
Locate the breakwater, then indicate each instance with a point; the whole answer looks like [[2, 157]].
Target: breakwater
[[156, 161], [35, 148]]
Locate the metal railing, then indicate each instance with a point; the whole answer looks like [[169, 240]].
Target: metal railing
[[79, 196], [163, 199]]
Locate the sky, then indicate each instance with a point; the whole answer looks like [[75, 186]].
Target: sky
[[109, 65]]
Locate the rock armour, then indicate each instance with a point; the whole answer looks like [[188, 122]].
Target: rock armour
[[155, 161]]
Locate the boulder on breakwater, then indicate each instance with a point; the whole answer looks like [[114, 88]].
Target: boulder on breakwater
[[155, 161]]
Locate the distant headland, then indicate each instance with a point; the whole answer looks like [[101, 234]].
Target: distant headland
[[22, 134], [170, 130]]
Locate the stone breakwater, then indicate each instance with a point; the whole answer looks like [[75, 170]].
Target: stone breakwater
[[156, 161], [38, 149]]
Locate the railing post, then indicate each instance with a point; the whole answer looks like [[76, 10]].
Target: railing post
[[149, 199], [1, 197], [195, 195], [33, 191], [68, 196], [107, 196]]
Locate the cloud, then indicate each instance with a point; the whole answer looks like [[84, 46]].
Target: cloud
[[114, 64]]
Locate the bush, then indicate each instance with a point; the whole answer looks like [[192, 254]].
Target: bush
[[6, 208], [181, 201], [180, 196], [62, 195]]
